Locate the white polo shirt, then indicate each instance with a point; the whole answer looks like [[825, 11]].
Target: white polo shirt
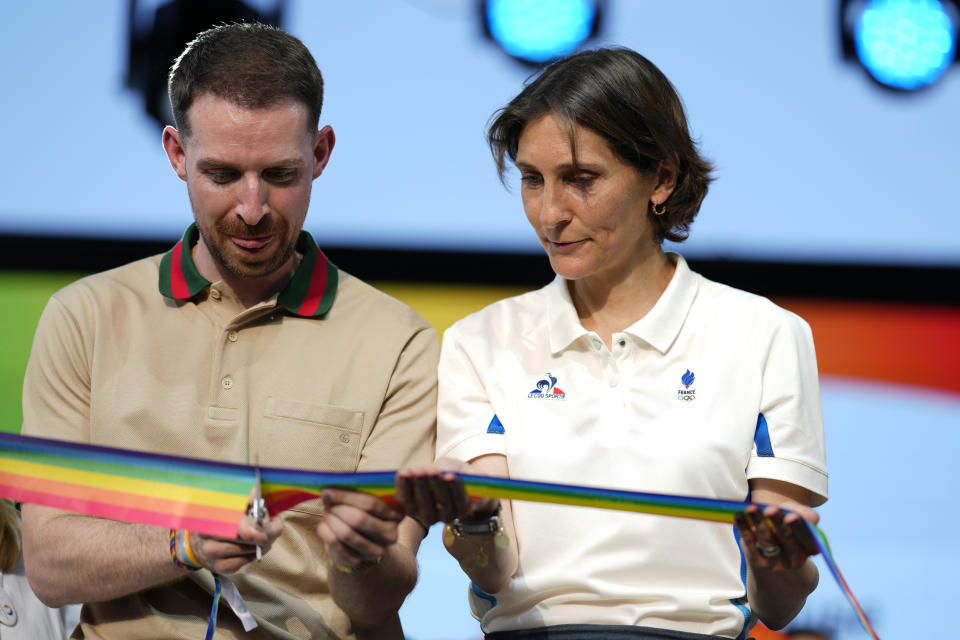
[[712, 387]]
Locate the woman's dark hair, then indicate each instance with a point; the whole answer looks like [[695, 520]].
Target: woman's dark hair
[[628, 101]]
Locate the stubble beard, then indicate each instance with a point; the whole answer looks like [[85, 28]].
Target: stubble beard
[[218, 243]]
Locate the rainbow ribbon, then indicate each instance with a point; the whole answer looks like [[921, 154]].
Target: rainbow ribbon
[[133, 486], [211, 497]]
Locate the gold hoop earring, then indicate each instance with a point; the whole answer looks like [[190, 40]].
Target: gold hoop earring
[[658, 209]]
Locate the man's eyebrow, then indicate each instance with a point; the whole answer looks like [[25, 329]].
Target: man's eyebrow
[[292, 163], [213, 163]]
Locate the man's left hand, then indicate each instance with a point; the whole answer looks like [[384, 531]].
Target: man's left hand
[[357, 527]]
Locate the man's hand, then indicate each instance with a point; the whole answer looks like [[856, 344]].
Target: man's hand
[[357, 527], [222, 555]]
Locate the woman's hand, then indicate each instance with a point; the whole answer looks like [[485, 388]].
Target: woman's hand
[[777, 545], [777, 538], [436, 494]]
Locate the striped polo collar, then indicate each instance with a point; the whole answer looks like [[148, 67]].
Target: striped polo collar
[[309, 293]]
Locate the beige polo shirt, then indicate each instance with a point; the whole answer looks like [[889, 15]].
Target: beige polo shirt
[[330, 374]]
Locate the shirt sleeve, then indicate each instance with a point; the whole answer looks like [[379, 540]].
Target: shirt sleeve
[[406, 426], [56, 386], [467, 426], [789, 439]]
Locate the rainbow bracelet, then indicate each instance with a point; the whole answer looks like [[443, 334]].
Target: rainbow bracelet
[[185, 559]]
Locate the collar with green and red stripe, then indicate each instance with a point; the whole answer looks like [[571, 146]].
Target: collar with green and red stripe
[[309, 293]]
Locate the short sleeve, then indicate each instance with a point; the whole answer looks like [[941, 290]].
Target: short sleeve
[[789, 439], [56, 386], [467, 426], [405, 428]]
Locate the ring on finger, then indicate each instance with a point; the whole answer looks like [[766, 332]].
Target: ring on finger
[[769, 550]]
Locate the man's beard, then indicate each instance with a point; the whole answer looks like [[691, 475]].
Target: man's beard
[[219, 245]]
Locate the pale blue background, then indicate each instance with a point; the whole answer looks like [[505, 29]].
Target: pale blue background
[[815, 162]]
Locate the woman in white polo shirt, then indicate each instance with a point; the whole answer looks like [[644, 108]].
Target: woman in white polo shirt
[[628, 371]]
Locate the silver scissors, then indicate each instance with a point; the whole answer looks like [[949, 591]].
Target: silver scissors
[[258, 508]]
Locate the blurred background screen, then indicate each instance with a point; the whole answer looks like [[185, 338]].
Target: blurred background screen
[[816, 160]]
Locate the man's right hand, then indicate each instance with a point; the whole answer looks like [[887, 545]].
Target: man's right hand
[[222, 555], [73, 558]]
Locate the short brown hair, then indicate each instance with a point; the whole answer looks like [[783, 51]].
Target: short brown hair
[[253, 65], [628, 101]]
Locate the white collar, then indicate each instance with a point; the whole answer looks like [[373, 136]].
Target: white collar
[[659, 327]]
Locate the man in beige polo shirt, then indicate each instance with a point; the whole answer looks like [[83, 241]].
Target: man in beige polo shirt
[[243, 343]]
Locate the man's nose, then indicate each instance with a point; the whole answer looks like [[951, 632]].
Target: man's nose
[[252, 201]]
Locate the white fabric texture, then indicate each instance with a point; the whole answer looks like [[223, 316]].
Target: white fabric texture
[[34, 620]]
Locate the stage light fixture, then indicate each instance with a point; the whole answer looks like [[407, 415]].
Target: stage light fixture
[[903, 44], [538, 31], [158, 30]]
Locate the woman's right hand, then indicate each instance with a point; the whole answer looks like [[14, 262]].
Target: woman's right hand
[[436, 494]]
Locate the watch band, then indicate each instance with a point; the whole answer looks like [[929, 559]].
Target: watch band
[[478, 528]]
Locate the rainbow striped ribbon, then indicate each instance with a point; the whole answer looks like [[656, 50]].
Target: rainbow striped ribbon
[[211, 497], [650, 503], [133, 486]]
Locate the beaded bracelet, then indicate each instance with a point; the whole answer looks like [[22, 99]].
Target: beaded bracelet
[[185, 559]]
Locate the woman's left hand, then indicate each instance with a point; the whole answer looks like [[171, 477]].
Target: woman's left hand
[[776, 538], [436, 494]]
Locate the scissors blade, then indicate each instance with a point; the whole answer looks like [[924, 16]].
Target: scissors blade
[[258, 504]]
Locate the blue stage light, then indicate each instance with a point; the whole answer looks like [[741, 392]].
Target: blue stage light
[[905, 44], [538, 31]]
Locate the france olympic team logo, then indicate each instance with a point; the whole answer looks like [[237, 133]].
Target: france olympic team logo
[[687, 394], [547, 389]]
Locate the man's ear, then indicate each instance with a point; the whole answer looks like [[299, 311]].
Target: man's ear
[[176, 151], [322, 149]]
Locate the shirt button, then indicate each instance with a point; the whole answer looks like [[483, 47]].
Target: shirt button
[[215, 294], [622, 342], [345, 438], [614, 381], [227, 382], [232, 336]]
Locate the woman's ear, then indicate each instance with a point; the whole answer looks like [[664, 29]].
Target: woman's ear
[[667, 174]]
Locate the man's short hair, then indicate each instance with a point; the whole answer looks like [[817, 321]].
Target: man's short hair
[[252, 65]]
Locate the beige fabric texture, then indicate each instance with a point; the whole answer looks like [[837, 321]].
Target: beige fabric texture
[[115, 363]]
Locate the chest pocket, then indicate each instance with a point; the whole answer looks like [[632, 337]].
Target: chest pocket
[[301, 435]]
